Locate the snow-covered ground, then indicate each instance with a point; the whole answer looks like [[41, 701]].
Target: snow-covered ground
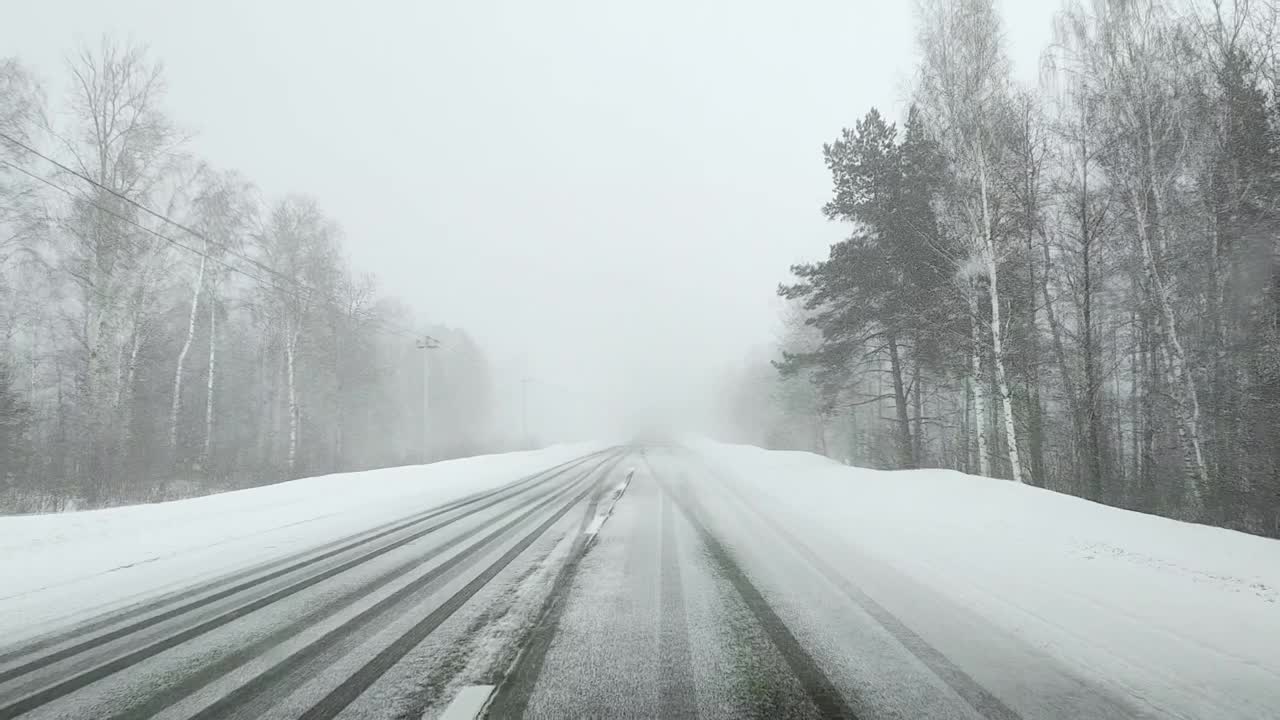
[[1176, 619], [913, 590], [57, 568]]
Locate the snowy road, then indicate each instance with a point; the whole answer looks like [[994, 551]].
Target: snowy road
[[678, 612], [660, 621], [708, 581], [375, 625], [701, 597]]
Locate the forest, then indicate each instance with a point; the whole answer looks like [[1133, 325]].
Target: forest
[[1074, 285], [168, 329]]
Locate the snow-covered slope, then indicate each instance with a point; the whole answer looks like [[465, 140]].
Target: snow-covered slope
[[55, 568], [1182, 620]]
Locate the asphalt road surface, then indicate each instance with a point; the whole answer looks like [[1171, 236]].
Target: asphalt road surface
[[696, 601], [630, 583]]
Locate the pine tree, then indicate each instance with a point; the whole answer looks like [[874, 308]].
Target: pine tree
[[876, 293]]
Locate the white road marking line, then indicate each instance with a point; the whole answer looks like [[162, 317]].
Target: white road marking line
[[598, 521], [468, 703]]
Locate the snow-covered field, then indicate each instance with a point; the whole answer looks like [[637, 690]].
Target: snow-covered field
[[1178, 619], [59, 567]]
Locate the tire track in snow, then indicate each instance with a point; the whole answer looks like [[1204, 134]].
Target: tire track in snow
[[676, 696], [274, 569], [69, 685], [511, 698], [255, 696], [823, 693], [353, 686], [974, 694], [188, 684]]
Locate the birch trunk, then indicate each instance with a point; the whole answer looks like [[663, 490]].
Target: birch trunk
[[997, 343], [1185, 397], [128, 376], [1092, 391], [289, 351], [1035, 421], [1002, 384], [175, 411], [917, 398], [1035, 409], [206, 454], [979, 397], [1184, 394], [1150, 388], [1135, 418], [965, 454]]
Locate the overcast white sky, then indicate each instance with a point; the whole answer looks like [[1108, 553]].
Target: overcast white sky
[[604, 193]]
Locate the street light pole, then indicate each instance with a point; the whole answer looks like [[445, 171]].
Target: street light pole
[[426, 344], [524, 412]]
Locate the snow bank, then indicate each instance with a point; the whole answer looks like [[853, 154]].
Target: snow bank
[[1171, 615], [56, 568]]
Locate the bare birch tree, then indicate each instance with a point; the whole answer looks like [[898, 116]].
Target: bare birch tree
[[120, 140], [963, 91]]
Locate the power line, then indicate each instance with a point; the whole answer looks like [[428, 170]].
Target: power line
[[59, 188], [153, 213], [201, 236], [143, 228], [385, 326], [164, 218]]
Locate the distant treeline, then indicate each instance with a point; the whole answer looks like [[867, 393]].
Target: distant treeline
[[165, 330], [1075, 285]]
